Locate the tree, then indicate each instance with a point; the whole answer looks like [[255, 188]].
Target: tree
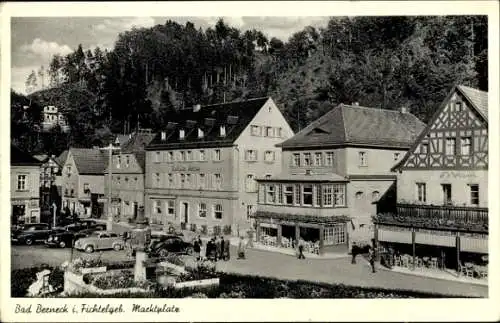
[[31, 83]]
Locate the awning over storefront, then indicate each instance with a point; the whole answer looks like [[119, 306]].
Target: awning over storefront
[[301, 218]]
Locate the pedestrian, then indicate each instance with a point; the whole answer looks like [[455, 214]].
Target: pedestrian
[[371, 258], [127, 238], [354, 252], [196, 249], [221, 248], [226, 247], [208, 249], [241, 249], [218, 249], [301, 249], [213, 250]]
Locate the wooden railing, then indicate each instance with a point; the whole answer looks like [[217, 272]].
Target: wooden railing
[[460, 214]]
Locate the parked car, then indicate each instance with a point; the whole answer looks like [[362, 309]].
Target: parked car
[[85, 224], [29, 233], [165, 244], [100, 240], [64, 238]]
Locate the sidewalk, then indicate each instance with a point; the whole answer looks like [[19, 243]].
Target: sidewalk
[[431, 273], [292, 252]]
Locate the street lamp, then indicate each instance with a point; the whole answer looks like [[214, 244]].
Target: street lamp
[[110, 148]]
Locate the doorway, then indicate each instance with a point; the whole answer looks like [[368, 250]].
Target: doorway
[[185, 215], [446, 194]]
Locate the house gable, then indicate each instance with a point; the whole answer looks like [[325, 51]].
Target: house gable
[[456, 138]]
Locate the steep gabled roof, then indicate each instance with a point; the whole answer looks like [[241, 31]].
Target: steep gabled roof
[[137, 142], [478, 101], [355, 125], [61, 159], [21, 158], [89, 161], [235, 116], [477, 98]]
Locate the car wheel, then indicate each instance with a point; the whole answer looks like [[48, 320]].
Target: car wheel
[[62, 244], [89, 249], [28, 241], [117, 247], [163, 253]]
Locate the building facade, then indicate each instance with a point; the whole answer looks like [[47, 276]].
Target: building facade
[[127, 170], [51, 116], [50, 185], [333, 173], [201, 169], [83, 182], [24, 187], [442, 186]]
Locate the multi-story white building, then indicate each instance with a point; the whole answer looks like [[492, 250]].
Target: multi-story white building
[[201, 168], [52, 117]]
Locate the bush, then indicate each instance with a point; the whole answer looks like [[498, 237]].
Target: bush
[[227, 230], [21, 279], [174, 259]]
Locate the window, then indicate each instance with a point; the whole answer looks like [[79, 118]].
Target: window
[[450, 146], [127, 161], [21, 182], [201, 134], [251, 155], [328, 195], [202, 180], [202, 155], [288, 192], [217, 155], [421, 192], [170, 156], [339, 234], [171, 180], [359, 195], [458, 106], [474, 194], [255, 130], [156, 207], [296, 160], [188, 180], [396, 156], [202, 210], [189, 156], [181, 134], [269, 132], [362, 158], [329, 158], [424, 148], [222, 131], [182, 155], [218, 211], [118, 161], [296, 191], [279, 133], [307, 194], [446, 194], [375, 196], [183, 180], [339, 194], [279, 193], [217, 181], [157, 157], [86, 187], [307, 159], [271, 194], [171, 208], [465, 146], [269, 156], [317, 195], [318, 159], [249, 211], [250, 183]]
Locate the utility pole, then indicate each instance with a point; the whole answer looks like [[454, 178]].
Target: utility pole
[[110, 148]]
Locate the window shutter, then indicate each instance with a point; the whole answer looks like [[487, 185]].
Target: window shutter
[[261, 193]]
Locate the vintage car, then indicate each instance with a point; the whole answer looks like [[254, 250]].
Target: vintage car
[[65, 238], [29, 233], [162, 245], [100, 240]]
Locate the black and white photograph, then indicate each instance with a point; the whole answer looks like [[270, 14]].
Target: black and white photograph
[[231, 156]]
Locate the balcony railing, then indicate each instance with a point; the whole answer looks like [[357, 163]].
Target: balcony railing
[[437, 217]]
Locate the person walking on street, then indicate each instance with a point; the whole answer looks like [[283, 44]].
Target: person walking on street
[[196, 249], [371, 258], [301, 249], [218, 249], [226, 247], [241, 249], [354, 252]]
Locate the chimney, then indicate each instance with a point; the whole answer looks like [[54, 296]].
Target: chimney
[[163, 136], [196, 108]]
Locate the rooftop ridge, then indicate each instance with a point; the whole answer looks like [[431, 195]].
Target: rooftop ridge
[[235, 101]]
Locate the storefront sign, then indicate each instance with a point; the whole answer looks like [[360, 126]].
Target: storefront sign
[[457, 175], [179, 168]]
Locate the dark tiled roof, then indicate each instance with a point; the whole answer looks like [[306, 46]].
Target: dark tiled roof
[[21, 158], [123, 140], [61, 159], [235, 116], [137, 142], [355, 125], [89, 161], [479, 99], [42, 157]]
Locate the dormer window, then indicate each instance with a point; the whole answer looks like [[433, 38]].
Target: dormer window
[[222, 131], [201, 134], [163, 136], [181, 134]]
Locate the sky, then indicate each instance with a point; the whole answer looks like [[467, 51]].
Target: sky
[[35, 40]]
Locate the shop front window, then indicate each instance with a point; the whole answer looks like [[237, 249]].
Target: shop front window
[[288, 192], [307, 195]]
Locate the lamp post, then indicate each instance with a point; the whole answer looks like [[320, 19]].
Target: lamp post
[[110, 148]]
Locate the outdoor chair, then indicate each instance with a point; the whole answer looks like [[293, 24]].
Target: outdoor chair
[[420, 262], [397, 261], [466, 271], [433, 263]]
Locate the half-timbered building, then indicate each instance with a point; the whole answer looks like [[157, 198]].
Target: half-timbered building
[[442, 187]]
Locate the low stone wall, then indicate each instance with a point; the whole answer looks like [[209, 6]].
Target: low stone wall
[[198, 283], [73, 283]]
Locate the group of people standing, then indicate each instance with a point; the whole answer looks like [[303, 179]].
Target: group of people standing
[[217, 248]]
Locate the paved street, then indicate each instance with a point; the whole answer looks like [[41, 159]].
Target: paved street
[[271, 264]]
